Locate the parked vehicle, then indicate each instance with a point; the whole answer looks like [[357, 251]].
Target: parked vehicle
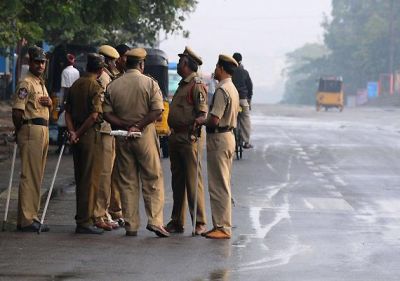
[[157, 66], [330, 93]]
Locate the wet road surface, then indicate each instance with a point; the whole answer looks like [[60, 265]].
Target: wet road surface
[[317, 198]]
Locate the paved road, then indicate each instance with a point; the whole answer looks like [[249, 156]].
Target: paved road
[[318, 198]]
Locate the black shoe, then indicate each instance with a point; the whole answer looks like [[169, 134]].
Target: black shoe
[[34, 227], [247, 145], [173, 227], [131, 233], [91, 229], [158, 230]]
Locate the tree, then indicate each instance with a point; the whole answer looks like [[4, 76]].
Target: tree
[[361, 37], [305, 65], [90, 21]]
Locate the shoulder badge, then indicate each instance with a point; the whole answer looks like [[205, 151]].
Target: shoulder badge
[[22, 93], [198, 80]]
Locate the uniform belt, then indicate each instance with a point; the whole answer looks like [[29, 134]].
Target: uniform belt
[[218, 130], [36, 121]]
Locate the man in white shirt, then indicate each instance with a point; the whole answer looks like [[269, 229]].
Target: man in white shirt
[[68, 76]]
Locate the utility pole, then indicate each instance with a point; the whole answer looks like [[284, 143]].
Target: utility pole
[[391, 47]]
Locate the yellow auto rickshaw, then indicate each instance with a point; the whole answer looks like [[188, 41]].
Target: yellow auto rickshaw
[[330, 93]]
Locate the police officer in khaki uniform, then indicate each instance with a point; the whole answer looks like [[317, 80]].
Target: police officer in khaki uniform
[[134, 102], [187, 113], [82, 114], [30, 114], [108, 197], [221, 121]]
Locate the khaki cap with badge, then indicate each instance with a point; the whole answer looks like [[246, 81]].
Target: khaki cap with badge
[[95, 60], [109, 51], [229, 59], [137, 54], [189, 53], [36, 53]]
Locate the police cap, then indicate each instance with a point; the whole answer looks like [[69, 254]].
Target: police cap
[[36, 53], [228, 59], [189, 52], [108, 51], [95, 60], [137, 53]]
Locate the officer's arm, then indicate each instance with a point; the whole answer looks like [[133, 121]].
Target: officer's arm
[[89, 122], [17, 115], [150, 117], [212, 121], [116, 122], [71, 128]]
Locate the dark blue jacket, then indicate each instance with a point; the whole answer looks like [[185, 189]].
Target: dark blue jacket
[[242, 81]]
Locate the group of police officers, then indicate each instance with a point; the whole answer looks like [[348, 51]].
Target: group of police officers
[[110, 172]]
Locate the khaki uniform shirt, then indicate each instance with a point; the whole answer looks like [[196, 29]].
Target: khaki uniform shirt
[[28, 92], [225, 104], [132, 96], [106, 78], [85, 97], [189, 100]]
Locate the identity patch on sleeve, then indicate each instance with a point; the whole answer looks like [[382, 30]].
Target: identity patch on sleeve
[[22, 93]]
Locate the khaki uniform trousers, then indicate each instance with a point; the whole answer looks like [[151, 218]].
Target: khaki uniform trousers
[[220, 151], [33, 143], [139, 160], [183, 157], [88, 164], [104, 193], [114, 206], [244, 120]]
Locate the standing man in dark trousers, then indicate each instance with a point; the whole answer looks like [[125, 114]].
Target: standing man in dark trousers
[[134, 102], [187, 113], [30, 114], [220, 123], [83, 108], [242, 81]]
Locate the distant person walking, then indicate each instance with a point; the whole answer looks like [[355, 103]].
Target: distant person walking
[[242, 81]]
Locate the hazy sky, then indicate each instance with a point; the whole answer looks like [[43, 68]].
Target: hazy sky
[[263, 31]]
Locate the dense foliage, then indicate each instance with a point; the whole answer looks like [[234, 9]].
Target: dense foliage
[[362, 39], [90, 21]]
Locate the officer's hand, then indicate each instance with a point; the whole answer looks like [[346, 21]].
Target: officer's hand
[[133, 129], [199, 121], [45, 101], [73, 137]]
